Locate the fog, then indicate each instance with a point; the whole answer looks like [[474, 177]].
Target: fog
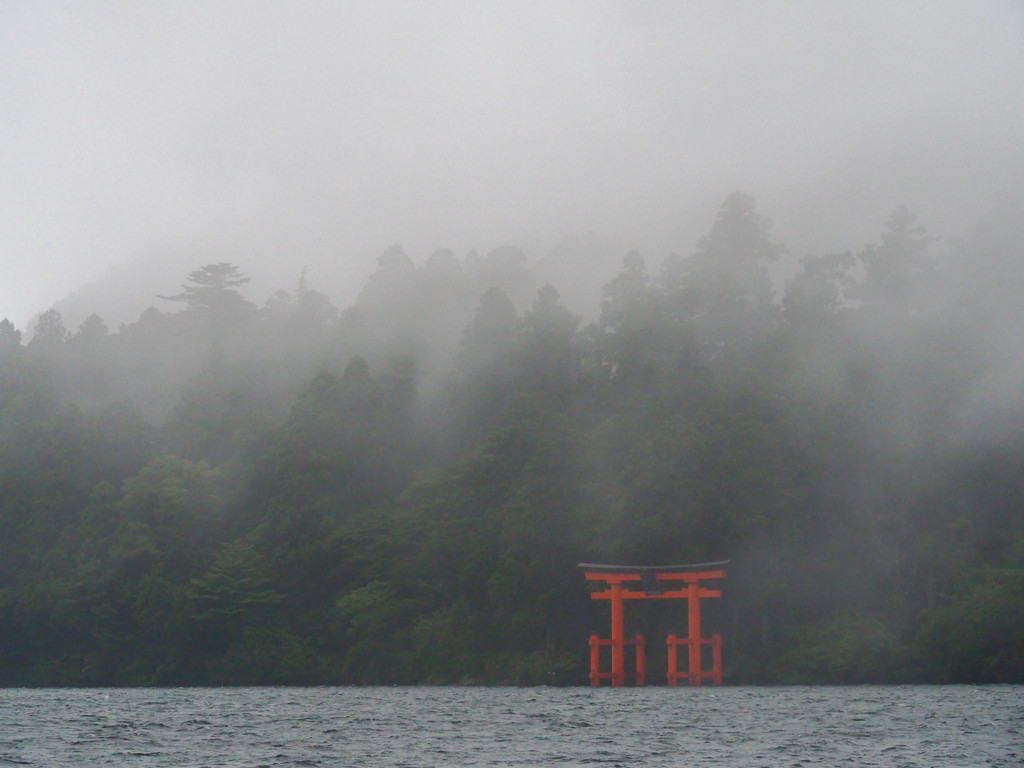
[[356, 326], [140, 141]]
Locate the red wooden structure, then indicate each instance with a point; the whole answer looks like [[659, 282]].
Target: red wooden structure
[[648, 582]]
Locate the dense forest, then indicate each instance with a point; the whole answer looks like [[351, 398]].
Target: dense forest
[[227, 493]]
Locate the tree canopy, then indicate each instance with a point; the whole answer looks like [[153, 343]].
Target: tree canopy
[[400, 492], [212, 289]]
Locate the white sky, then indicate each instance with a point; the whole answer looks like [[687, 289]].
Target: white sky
[[283, 134]]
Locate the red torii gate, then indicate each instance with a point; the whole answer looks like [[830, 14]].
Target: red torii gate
[[619, 579]]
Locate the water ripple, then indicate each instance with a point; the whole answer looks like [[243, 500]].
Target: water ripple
[[417, 727]]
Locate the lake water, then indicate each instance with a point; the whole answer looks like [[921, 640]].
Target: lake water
[[369, 727]]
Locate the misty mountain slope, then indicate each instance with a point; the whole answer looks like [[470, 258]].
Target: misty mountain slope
[[399, 492]]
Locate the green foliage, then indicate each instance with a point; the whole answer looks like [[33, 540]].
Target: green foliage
[[369, 621], [290, 495], [49, 330], [978, 634], [237, 591], [212, 289], [10, 337], [850, 648], [725, 288]]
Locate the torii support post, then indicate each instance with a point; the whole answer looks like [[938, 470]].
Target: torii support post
[[618, 652], [639, 676], [620, 580], [697, 677]]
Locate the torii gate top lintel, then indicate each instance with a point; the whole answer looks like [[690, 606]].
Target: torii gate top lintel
[[602, 568]]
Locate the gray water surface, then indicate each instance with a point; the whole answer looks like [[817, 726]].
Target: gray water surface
[[370, 727]]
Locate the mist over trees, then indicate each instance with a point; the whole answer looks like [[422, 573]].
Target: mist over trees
[[399, 491]]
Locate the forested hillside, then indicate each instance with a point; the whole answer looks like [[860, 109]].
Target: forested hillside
[[399, 491]]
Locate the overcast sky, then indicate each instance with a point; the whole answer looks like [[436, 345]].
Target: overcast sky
[[279, 135]]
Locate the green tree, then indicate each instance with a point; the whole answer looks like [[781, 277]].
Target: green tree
[[389, 296], [725, 288], [369, 622], [978, 634], [168, 512], [234, 593], [549, 352], [48, 333], [849, 648], [899, 272], [10, 337], [628, 320], [489, 336], [213, 289], [216, 422], [92, 328], [817, 293], [477, 392]]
